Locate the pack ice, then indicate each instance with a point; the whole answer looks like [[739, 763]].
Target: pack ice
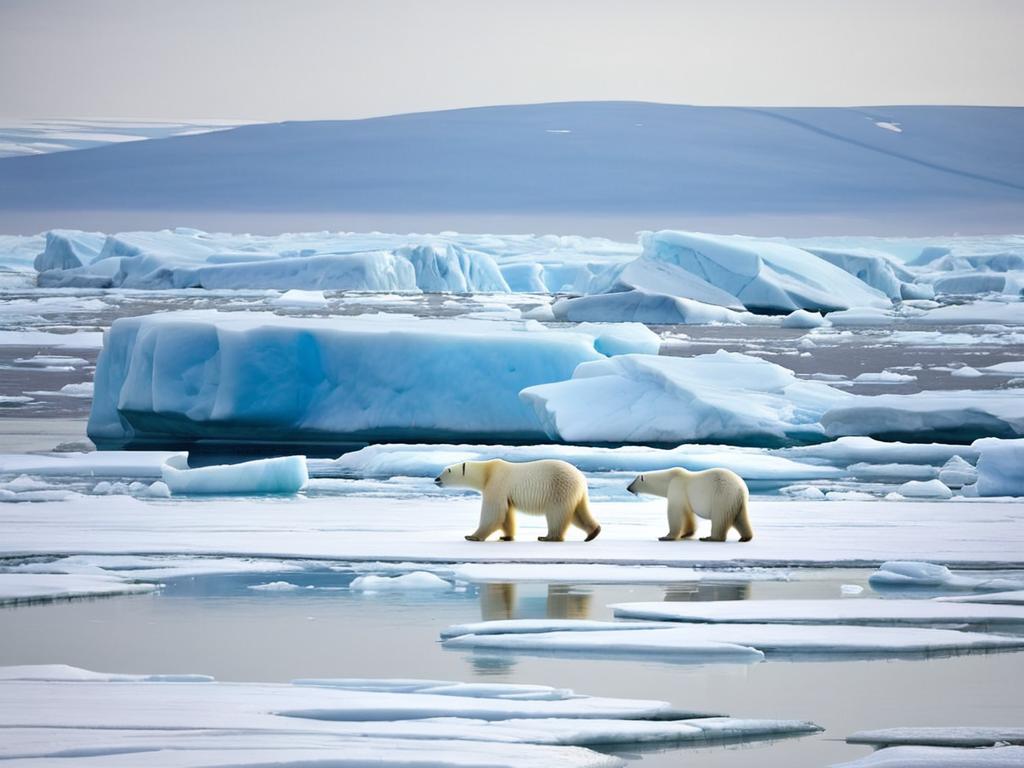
[[199, 373]]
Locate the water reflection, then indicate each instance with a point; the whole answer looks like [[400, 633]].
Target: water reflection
[[534, 601], [707, 591]]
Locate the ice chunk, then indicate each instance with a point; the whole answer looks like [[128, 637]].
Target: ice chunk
[[910, 573], [957, 473], [62, 673], [734, 642], [936, 415], [275, 586], [247, 375], [925, 489], [621, 338], [407, 581], [884, 377], [801, 318], [451, 269], [137, 464], [975, 313], [762, 274], [725, 396], [999, 466], [299, 298], [645, 307], [950, 736], [869, 611], [285, 474]]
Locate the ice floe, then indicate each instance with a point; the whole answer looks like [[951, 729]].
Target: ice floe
[[33, 587], [1012, 597], [868, 611], [950, 736], [285, 474], [195, 722], [901, 574], [736, 642]]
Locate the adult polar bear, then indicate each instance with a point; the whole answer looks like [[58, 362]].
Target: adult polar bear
[[717, 495], [549, 487]]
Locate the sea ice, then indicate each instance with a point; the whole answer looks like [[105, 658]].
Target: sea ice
[[950, 736], [642, 306], [801, 318], [957, 473], [740, 642], [285, 474], [869, 611], [1012, 597], [30, 587], [901, 573]]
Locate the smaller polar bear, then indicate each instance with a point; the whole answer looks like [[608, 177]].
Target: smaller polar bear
[[717, 495], [551, 488]]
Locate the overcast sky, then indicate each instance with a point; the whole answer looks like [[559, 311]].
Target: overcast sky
[[313, 59]]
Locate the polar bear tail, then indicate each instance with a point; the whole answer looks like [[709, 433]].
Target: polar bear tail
[[741, 519], [582, 518]]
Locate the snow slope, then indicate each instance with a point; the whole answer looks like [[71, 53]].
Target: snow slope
[[619, 157]]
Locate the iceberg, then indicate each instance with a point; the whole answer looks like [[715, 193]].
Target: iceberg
[[764, 275], [925, 489], [726, 397], [999, 466], [285, 474], [68, 249], [260, 377], [415, 580]]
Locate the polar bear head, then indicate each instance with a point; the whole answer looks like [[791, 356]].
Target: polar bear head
[[465, 474], [654, 483]]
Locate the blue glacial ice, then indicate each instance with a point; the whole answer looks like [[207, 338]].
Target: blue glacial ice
[[202, 374], [284, 475], [726, 396]]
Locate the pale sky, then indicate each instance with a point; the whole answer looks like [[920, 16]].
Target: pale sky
[[325, 59]]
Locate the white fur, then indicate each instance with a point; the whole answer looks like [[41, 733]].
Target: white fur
[[718, 495], [554, 489]]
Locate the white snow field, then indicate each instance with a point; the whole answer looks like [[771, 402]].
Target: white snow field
[[734, 643], [372, 376], [868, 611], [54, 714]]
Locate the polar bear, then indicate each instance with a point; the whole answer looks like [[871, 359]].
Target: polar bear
[[717, 495], [551, 488]]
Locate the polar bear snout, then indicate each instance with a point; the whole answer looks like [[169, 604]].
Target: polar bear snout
[[632, 487], [438, 481]]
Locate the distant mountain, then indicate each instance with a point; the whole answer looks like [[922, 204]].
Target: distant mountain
[[940, 169]]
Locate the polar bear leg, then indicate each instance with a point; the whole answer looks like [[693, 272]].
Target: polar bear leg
[[742, 523], [721, 521], [492, 517], [508, 527], [558, 524], [677, 517], [583, 520]]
